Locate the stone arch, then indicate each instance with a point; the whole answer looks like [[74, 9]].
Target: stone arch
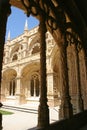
[[34, 46], [36, 49], [30, 67], [30, 81], [9, 85], [57, 88], [15, 49], [16, 52], [14, 57], [9, 73]]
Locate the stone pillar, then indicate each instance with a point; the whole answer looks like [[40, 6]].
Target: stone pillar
[[19, 54], [24, 51], [71, 61], [11, 87], [65, 110], [82, 69], [50, 89], [18, 89], [56, 89], [80, 106], [3, 89], [4, 12], [50, 82], [20, 92], [25, 39], [43, 111], [25, 45], [83, 74], [7, 53], [8, 86], [28, 89], [35, 87]]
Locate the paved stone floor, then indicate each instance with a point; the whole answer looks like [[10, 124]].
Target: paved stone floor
[[24, 121]]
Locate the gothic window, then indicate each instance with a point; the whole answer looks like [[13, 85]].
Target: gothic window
[[37, 87], [34, 86], [15, 57], [36, 49], [21, 47], [17, 49], [12, 88]]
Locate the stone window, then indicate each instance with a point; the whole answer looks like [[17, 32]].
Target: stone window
[[34, 86], [15, 57], [12, 88], [36, 49]]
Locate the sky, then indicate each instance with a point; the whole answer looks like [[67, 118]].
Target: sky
[[16, 22]]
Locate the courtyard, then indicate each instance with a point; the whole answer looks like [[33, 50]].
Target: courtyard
[[21, 120]]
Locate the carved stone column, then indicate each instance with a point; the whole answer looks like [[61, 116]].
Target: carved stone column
[[19, 93], [29, 88], [80, 106], [18, 85], [50, 88], [6, 54], [25, 44], [4, 12], [66, 110], [83, 74], [18, 90], [43, 111]]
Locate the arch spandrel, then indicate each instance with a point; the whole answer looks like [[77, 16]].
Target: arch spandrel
[[29, 68], [34, 40], [9, 73], [14, 49]]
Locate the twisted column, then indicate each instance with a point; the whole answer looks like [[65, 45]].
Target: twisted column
[[4, 12], [43, 111], [80, 106], [66, 110], [83, 73]]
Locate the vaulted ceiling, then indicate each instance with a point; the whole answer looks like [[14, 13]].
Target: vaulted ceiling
[[77, 12]]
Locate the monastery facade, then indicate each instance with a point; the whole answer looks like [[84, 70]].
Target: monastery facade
[[21, 69]]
